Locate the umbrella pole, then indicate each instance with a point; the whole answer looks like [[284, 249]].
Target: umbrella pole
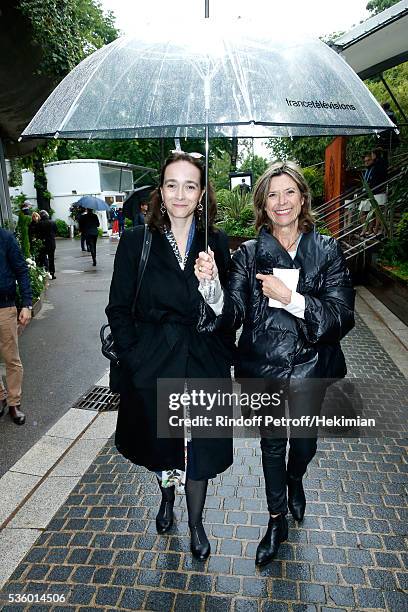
[[208, 286], [206, 190]]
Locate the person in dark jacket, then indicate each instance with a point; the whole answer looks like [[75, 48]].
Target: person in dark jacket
[[292, 293], [13, 268], [33, 230], [46, 232], [378, 177], [88, 226], [140, 216], [161, 340]]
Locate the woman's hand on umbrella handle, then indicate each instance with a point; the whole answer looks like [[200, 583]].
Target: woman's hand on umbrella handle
[[205, 266]]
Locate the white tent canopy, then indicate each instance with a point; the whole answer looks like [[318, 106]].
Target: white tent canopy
[[378, 44]]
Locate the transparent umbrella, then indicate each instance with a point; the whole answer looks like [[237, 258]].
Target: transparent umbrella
[[233, 78], [209, 79]]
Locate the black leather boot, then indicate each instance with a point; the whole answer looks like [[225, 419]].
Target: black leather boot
[[16, 415], [296, 498], [200, 546], [164, 518], [276, 533], [196, 491]]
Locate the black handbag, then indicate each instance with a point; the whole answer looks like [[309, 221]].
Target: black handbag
[[107, 342]]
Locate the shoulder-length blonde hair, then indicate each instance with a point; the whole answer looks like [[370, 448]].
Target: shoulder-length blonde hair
[[277, 168]]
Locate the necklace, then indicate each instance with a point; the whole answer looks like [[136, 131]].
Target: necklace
[[291, 244]]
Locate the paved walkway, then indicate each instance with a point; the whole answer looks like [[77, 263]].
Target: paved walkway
[[101, 551]]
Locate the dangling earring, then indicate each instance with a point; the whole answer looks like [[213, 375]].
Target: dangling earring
[[163, 209], [200, 209]]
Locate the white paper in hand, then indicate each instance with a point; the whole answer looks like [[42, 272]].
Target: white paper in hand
[[288, 276]]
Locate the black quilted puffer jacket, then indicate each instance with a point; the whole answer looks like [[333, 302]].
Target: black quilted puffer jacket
[[275, 343]]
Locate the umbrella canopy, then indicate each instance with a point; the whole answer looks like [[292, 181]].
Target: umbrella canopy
[[231, 77], [131, 205], [92, 202]]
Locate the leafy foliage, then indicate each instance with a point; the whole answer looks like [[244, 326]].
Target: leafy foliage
[[256, 164], [236, 213], [38, 280], [75, 211], [62, 228], [377, 6], [305, 150], [219, 171], [22, 233], [67, 31], [15, 177], [395, 250]]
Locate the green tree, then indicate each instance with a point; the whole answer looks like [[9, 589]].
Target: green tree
[[219, 171], [377, 6], [143, 152], [256, 164], [306, 151], [15, 177], [67, 31]]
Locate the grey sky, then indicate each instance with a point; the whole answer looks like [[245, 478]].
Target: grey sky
[[313, 17]]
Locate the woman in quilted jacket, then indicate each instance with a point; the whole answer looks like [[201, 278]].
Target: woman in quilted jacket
[[291, 292]]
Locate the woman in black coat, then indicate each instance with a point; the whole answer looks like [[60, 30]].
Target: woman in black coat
[[292, 293], [46, 232], [162, 341]]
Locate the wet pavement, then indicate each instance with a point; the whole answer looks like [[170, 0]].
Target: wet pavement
[[60, 348], [101, 549]]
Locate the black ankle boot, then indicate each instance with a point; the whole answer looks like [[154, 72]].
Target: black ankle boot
[[164, 518], [276, 533], [200, 546], [296, 498]]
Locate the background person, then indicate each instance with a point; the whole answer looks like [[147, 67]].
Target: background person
[[163, 342], [46, 232], [297, 337], [365, 205], [140, 216], [379, 175], [13, 268], [121, 221], [33, 230], [84, 246], [244, 188], [88, 225]]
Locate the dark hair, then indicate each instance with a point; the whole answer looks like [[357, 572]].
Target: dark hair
[[306, 220], [378, 152], [156, 220]]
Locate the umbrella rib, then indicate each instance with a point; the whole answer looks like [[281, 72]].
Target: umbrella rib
[[119, 42]]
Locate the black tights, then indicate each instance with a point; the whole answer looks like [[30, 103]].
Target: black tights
[[196, 492]]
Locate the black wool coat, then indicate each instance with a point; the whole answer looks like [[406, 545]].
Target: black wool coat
[[275, 343], [161, 341]]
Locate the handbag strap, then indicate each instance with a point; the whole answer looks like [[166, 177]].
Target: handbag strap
[[147, 241]]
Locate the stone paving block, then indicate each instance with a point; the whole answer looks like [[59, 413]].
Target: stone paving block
[[43, 503], [79, 458], [42, 456], [102, 427], [14, 544], [14, 488], [72, 424]]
